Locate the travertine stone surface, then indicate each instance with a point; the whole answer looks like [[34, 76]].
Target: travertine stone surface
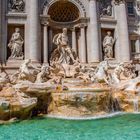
[[123, 35]]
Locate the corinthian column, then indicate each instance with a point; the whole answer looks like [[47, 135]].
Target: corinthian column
[[122, 28], [82, 51], [74, 40], [3, 31], [93, 49], [45, 43], [35, 51]]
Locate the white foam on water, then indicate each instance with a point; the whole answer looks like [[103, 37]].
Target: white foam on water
[[86, 118]]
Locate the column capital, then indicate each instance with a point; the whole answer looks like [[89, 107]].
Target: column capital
[[118, 2], [82, 25], [45, 20], [45, 23], [73, 29]]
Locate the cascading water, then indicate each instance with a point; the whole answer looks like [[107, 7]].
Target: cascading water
[[114, 103], [133, 99], [136, 104]]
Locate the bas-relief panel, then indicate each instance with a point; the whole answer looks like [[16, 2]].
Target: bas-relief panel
[[16, 5]]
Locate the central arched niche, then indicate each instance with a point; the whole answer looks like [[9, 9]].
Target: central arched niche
[[63, 11]]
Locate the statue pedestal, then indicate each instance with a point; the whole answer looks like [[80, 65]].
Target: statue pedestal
[[12, 65]]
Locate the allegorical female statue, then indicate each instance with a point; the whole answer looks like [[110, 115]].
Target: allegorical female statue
[[63, 53], [16, 44], [108, 44]]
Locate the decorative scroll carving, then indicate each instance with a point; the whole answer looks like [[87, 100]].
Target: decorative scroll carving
[[16, 5], [105, 8]]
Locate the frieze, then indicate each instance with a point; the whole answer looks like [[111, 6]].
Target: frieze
[[105, 7], [16, 5]]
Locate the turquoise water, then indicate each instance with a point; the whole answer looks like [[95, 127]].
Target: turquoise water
[[125, 127]]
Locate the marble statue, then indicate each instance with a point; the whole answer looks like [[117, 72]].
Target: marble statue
[[130, 69], [57, 70], [83, 73], [108, 43], [116, 75], [16, 44], [101, 72], [16, 5], [130, 85], [63, 53], [24, 73], [43, 75]]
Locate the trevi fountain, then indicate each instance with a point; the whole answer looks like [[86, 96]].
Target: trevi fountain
[[65, 88], [65, 98]]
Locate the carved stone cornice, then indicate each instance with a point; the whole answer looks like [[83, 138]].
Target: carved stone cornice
[[118, 2]]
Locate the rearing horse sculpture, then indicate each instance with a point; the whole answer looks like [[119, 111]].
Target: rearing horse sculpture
[[101, 72]]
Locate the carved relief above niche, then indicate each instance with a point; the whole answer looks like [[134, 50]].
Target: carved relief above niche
[[16, 5], [105, 7], [117, 2]]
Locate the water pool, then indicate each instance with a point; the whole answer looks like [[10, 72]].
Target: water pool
[[124, 127]]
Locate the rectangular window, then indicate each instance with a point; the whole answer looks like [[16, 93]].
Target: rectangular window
[[130, 7], [133, 46]]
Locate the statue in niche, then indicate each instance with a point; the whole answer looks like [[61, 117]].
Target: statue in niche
[[108, 44], [138, 5], [105, 8], [16, 45], [16, 5], [63, 54]]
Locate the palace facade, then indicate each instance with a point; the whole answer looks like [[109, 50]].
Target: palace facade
[[87, 21]]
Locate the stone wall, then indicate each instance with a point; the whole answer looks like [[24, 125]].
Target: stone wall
[[95, 17]]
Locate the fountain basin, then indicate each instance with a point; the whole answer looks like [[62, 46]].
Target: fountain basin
[[79, 103]]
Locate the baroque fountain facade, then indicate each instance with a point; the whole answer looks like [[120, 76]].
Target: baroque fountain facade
[[62, 59], [66, 87]]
